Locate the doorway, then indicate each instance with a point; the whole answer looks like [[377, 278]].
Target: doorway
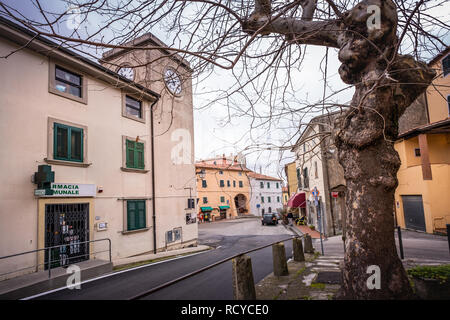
[[66, 224], [413, 212]]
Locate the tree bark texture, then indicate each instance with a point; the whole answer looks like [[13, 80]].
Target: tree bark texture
[[386, 84]]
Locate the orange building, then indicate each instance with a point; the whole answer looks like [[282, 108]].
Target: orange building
[[223, 188]]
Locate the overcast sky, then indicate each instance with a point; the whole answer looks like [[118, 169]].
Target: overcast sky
[[215, 132]]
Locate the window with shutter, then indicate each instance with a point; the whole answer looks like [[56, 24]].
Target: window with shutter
[[67, 143], [136, 215], [135, 154]]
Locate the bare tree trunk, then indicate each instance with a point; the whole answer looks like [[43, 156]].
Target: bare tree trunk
[[386, 84], [370, 172]]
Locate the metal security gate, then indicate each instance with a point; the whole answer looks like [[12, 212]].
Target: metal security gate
[[413, 212], [66, 224]]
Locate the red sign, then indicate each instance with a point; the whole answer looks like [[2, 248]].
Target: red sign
[[335, 194]]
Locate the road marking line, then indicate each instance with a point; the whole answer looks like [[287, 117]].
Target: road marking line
[[112, 274]]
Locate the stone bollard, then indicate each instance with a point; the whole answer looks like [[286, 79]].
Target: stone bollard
[[243, 283], [279, 260], [297, 245], [308, 244]]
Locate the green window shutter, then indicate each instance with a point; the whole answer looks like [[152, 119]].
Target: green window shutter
[[67, 143], [135, 154], [136, 215], [140, 164], [61, 142], [130, 153], [131, 215], [140, 216], [76, 144]]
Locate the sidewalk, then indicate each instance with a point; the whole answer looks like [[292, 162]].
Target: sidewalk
[[306, 230], [318, 278]]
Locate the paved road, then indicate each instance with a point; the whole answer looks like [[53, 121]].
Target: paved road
[[228, 238], [416, 245]]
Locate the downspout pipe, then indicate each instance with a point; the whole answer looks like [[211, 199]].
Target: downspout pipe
[[153, 174]]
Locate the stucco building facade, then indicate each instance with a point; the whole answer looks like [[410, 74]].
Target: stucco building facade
[[223, 187], [424, 149], [266, 194], [113, 160]]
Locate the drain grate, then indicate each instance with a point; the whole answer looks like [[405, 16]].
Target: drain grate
[[329, 277]]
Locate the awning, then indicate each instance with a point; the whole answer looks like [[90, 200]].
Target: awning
[[224, 207], [297, 201], [205, 209]]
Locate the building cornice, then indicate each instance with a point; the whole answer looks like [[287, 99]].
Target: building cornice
[[30, 40]]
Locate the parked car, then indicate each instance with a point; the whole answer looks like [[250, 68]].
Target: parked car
[[269, 218]]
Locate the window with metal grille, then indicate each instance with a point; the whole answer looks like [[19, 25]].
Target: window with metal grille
[[136, 215], [191, 203], [204, 185], [135, 154], [133, 107], [68, 82], [222, 199], [205, 199], [177, 233], [67, 143]]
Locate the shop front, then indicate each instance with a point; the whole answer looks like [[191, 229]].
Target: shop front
[[65, 222]]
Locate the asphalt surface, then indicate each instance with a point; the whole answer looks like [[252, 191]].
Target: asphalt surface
[[416, 245], [227, 237]]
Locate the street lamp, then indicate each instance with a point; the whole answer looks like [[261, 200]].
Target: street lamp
[[201, 174]]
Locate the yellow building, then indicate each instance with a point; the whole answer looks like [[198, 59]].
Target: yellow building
[[292, 180], [285, 196], [223, 188], [422, 201]]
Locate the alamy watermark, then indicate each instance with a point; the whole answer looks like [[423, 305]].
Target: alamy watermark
[[74, 280], [181, 153], [374, 20], [74, 17], [374, 280]]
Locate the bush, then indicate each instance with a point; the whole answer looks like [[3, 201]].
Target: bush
[[441, 273], [312, 227]]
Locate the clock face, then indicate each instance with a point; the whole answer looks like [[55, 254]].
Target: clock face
[[173, 81], [126, 72]]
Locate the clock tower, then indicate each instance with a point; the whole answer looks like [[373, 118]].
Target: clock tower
[[151, 64]]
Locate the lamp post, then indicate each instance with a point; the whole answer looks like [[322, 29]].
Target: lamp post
[[201, 174]]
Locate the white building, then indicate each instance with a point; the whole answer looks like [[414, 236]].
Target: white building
[[265, 194]]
